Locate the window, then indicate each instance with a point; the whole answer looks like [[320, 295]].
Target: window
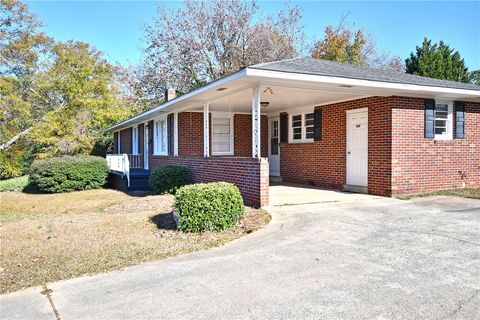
[[222, 135], [302, 127], [297, 127], [160, 137], [443, 120], [135, 140], [309, 130]]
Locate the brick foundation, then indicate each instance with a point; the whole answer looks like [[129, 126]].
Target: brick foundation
[[248, 174]]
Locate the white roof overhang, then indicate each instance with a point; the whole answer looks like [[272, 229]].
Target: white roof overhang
[[250, 77]]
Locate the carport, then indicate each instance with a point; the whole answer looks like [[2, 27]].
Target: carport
[[287, 194]]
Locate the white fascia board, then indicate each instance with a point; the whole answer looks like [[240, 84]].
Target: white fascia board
[[212, 85], [357, 82]]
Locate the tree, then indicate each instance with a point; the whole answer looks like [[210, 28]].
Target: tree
[[474, 77], [21, 47], [343, 43], [207, 40], [437, 61], [82, 93]]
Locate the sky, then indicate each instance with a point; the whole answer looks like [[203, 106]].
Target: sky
[[115, 27]]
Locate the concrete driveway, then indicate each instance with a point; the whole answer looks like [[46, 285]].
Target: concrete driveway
[[363, 259]]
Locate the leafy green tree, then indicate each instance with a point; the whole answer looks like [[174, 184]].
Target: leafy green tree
[[83, 99], [22, 46], [437, 61]]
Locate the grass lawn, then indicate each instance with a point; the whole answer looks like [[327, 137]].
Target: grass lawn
[[473, 193], [49, 237]]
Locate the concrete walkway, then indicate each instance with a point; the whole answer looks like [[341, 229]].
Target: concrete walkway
[[286, 194], [362, 259]]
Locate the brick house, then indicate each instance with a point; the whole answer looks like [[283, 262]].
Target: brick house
[[314, 122]]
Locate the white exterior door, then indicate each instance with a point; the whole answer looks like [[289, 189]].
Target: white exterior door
[[145, 146], [273, 146], [357, 147]]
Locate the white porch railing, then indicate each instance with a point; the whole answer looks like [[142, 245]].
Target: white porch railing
[[119, 163], [135, 160]]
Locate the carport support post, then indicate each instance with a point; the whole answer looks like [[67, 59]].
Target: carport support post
[[206, 126], [175, 134], [256, 122]]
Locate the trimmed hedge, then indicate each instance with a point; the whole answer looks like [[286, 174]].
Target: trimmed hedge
[[68, 173], [208, 206], [168, 179]]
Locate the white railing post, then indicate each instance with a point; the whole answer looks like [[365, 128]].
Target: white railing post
[[256, 122], [126, 168], [206, 127]]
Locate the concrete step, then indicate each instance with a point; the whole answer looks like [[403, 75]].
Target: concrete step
[[357, 189]]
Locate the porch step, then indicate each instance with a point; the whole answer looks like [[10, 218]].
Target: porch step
[[139, 180], [275, 179], [357, 189]]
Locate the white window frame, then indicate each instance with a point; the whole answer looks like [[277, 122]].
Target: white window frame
[[158, 136], [449, 134], [222, 115], [304, 128], [135, 146]]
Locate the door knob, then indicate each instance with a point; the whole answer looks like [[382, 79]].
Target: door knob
[[348, 152]]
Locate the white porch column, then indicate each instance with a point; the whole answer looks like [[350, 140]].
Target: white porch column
[[206, 126], [175, 134], [256, 122]]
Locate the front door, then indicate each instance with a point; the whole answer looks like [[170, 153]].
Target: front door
[[357, 147], [145, 146], [273, 147]]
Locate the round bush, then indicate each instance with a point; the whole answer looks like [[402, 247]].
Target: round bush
[[208, 206], [168, 179], [68, 173]]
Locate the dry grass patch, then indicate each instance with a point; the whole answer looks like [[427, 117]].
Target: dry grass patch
[[472, 193], [47, 238]]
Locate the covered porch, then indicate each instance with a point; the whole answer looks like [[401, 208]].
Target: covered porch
[[232, 134]]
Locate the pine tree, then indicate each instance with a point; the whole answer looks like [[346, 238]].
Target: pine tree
[[437, 61]]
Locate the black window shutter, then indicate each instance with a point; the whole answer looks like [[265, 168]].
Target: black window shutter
[[284, 128], [460, 119], [429, 118], [317, 125]]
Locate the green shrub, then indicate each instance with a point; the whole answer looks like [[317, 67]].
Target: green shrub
[[14, 184], [68, 173], [208, 206], [168, 179]]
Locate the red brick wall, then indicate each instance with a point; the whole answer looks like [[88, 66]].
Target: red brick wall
[[190, 134], [424, 165], [248, 174], [243, 135], [324, 162], [126, 140]]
